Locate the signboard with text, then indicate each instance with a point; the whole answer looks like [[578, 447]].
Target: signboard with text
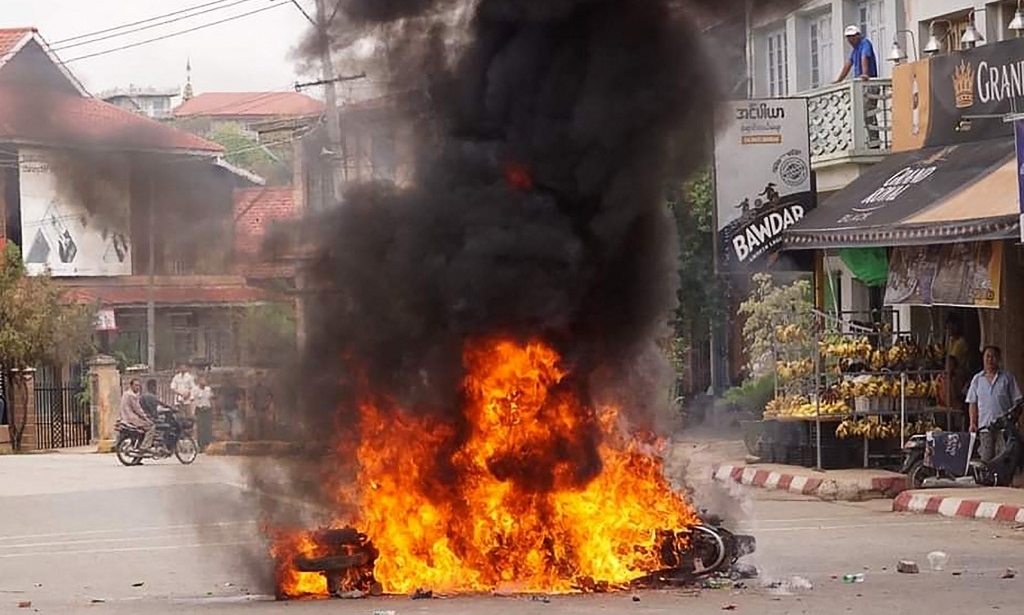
[[762, 176], [971, 91]]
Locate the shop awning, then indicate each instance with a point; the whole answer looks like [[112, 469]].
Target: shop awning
[[964, 192]]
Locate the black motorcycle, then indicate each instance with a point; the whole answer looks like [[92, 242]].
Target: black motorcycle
[[174, 436], [998, 472]]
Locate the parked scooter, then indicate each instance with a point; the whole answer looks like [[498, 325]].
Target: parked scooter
[[997, 472]]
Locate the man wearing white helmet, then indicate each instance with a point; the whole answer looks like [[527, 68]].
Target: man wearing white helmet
[[864, 65]]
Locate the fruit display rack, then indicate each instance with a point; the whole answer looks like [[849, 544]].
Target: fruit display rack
[[864, 386]]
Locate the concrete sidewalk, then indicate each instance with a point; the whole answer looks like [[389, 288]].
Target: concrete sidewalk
[[844, 485], [996, 503]]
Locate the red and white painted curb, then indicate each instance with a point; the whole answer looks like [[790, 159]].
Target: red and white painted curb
[[754, 477], [917, 502], [822, 486]]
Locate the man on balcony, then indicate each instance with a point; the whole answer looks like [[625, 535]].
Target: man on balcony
[[864, 65]]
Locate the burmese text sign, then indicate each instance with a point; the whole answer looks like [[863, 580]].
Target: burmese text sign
[[762, 176]]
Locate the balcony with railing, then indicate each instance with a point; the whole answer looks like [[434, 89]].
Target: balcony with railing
[[850, 126]]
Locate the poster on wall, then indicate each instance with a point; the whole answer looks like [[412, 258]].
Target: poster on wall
[[64, 236], [960, 274], [762, 176]]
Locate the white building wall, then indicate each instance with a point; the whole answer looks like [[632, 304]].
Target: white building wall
[[797, 25], [990, 18]]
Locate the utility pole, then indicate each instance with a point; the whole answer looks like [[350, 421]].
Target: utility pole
[[150, 303], [335, 179]]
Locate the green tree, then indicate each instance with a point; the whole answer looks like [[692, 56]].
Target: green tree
[[242, 150], [38, 325], [267, 333], [692, 205], [769, 307]]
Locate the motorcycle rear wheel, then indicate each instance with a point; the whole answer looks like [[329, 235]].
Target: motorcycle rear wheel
[[186, 450], [123, 449], [917, 473]]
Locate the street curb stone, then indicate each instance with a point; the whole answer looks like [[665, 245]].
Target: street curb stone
[[823, 488], [925, 503]]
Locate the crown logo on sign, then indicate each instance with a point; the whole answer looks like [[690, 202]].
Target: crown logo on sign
[[963, 85]]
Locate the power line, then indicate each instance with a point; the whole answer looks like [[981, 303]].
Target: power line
[[173, 34], [58, 47], [136, 23]]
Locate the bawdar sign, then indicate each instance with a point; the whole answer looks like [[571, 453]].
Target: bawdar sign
[[762, 175]]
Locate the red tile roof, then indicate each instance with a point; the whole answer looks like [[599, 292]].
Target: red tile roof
[[180, 291], [249, 104], [10, 37], [256, 209], [56, 118]]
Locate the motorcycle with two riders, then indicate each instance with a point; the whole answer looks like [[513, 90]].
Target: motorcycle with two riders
[[174, 434]]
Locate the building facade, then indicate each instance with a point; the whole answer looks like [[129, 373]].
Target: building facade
[[154, 103], [125, 211]]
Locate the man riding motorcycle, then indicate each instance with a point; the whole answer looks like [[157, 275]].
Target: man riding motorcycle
[[132, 414]]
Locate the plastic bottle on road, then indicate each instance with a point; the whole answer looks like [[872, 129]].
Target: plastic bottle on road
[[853, 578]]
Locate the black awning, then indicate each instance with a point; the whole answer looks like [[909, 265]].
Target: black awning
[[869, 211]]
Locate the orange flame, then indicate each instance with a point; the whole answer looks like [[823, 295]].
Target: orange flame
[[535, 492]]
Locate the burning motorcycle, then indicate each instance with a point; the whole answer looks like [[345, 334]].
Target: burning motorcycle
[[174, 436], [998, 472]]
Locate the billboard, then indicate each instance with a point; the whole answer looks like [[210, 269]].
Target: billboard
[[964, 274], [972, 90], [61, 234], [762, 176]]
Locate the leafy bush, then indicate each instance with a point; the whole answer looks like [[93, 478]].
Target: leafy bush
[[752, 395]]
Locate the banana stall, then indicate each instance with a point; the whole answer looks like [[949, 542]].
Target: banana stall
[[848, 395]]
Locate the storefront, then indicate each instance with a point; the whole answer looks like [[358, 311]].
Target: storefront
[[931, 237]]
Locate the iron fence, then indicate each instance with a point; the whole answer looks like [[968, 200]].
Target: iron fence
[[62, 415]]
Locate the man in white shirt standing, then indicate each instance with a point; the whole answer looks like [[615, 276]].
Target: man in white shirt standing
[[183, 386], [994, 392]]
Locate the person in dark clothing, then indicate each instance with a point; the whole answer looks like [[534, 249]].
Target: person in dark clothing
[[263, 406], [229, 399], [150, 402]]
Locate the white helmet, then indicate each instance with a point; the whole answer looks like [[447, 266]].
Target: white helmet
[[851, 31]]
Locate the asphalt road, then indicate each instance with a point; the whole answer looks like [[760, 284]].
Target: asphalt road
[[79, 533]]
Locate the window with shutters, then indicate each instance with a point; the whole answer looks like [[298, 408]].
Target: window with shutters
[[778, 66]]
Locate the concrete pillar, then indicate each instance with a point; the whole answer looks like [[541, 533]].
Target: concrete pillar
[[22, 400], [105, 393]]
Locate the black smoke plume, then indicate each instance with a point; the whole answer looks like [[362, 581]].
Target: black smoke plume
[[537, 213], [544, 133]]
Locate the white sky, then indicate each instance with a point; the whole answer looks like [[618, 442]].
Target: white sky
[[248, 54]]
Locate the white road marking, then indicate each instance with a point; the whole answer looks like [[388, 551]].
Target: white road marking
[[803, 528], [28, 545], [128, 529], [133, 549]]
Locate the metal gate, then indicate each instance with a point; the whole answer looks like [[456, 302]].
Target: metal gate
[[62, 415]]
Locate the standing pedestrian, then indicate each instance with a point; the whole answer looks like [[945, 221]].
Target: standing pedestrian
[[263, 407], [183, 386], [229, 398], [864, 65], [994, 391], [203, 398]]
